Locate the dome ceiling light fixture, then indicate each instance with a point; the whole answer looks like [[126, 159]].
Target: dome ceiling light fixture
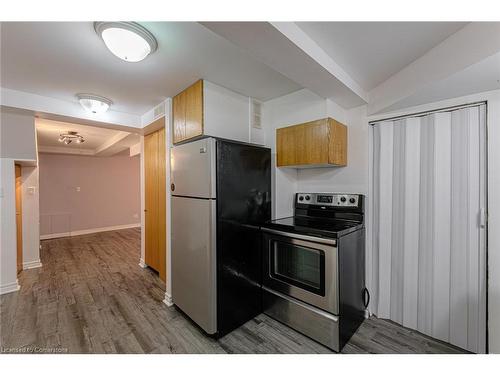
[[94, 103], [127, 40], [71, 136]]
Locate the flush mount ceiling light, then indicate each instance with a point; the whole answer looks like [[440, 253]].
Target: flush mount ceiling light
[[94, 103], [70, 136], [127, 40]]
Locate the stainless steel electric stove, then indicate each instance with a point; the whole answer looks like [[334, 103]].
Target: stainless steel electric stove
[[314, 267]]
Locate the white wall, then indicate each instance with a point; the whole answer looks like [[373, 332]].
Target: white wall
[[17, 144], [302, 106], [83, 194], [225, 113], [18, 136], [494, 220], [8, 254], [493, 129]]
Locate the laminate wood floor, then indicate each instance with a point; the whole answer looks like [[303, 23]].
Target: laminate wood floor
[[91, 296]]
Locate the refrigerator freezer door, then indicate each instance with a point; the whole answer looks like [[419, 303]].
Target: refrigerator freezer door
[[193, 169], [194, 260], [243, 204]]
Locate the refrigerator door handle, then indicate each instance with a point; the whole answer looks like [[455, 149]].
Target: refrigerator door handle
[[483, 218]]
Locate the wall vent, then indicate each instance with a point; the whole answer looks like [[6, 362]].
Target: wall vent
[[255, 114], [159, 111]]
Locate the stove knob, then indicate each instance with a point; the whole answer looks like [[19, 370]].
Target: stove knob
[[352, 200], [301, 198], [343, 199], [308, 197]]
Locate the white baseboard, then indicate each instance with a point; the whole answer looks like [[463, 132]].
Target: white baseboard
[[88, 231], [168, 300], [142, 264], [54, 235], [9, 288], [32, 264]]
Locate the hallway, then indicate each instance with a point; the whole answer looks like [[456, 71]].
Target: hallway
[[91, 296]]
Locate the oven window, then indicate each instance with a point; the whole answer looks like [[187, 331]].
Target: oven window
[[300, 266]]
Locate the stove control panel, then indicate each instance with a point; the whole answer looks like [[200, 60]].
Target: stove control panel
[[329, 199]]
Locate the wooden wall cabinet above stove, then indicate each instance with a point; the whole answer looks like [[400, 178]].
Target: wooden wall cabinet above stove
[[206, 109], [320, 143]]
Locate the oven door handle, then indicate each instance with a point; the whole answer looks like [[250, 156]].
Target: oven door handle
[[327, 241]]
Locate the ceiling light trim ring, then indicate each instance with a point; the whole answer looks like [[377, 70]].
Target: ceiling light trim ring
[[94, 103], [103, 99], [100, 26]]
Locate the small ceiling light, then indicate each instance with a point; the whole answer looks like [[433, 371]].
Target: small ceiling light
[[71, 136], [127, 40], [94, 103]]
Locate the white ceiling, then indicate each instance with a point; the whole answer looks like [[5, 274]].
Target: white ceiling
[[60, 59], [480, 77], [349, 62], [48, 134], [371, 52], [290, 51], [98, 141]]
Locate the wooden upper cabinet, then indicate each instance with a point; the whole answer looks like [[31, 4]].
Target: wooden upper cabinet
[[179, 116], [207, 109], [188, 113], [317, 143]]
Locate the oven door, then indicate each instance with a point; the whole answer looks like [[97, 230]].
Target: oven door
[[303, 267]]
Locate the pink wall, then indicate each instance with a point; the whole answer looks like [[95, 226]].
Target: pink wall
[[109, 192]]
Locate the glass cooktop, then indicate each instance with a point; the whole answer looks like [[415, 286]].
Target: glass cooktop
[[314, 226]]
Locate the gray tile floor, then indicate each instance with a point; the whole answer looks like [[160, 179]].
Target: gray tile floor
[[91, 296]]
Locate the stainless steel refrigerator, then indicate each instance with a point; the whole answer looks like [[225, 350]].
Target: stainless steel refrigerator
[[221, 193]]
